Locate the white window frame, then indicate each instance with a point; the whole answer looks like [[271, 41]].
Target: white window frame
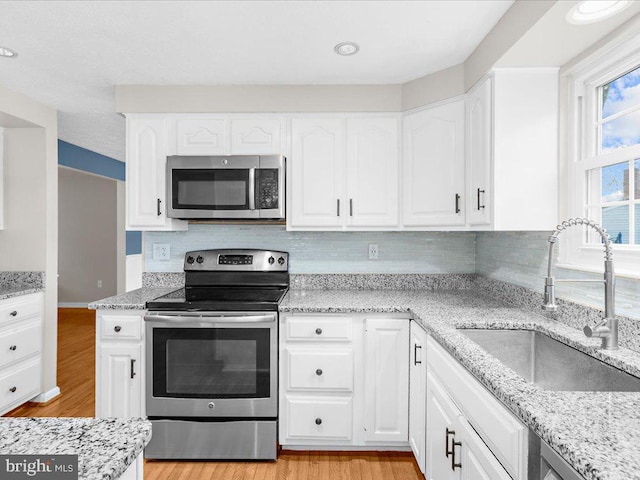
[[582, 136]]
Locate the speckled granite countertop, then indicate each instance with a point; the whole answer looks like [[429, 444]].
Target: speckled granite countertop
[[133, 300], [105, 446], [597, 433], [17, 291]]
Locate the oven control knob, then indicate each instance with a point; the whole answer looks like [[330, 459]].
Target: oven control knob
[[190, 260], [200, 260], [272, 260], [281, 261], [211, 405]]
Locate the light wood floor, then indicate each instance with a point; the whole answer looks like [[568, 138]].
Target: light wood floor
[[76, 379]]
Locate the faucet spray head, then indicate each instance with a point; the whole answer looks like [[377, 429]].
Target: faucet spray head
[[549, 304]]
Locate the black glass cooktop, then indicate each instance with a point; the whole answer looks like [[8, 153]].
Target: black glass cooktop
[[220, 299]]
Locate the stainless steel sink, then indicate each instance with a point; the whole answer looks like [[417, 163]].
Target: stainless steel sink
[[550, 364]]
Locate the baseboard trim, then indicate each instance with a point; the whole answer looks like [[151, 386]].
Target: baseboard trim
[[46, 396], [72, 305], [349, 448]]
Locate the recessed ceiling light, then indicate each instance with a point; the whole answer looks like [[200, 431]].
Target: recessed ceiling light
[[590, 11], [7, 52], [346, 48]]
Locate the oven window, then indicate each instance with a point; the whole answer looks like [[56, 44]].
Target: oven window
[[210, 189], [211, 362]]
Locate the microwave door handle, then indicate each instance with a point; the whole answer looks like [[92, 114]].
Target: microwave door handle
[[252, 189]]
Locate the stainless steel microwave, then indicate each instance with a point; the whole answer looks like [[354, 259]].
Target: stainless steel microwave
[[236, 186]]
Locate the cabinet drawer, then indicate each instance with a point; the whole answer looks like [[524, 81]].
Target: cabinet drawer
[[320, 328], [122, 326], [504, 434], [320, 370], [20, 384], [319, 417], [18, 343], [20, 308]]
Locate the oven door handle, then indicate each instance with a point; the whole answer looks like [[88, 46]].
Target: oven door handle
[[210, 319]]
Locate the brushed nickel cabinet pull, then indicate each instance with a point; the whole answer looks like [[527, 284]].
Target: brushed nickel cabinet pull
[[159, 202], [133, 373], [351, 207], [480, 207], [415, 354], [338, 207], [448, 432], [457, 203], [455, 465]]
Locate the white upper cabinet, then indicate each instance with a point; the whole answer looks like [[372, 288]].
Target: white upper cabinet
[[372, 172], [361, 155], [316, 166], [433, 165], [478, 124], [201, 136], [1, 178], [512, 150], [257, 136], [146, 165]]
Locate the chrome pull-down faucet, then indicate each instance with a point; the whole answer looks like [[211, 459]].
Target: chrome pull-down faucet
[[607, 329]]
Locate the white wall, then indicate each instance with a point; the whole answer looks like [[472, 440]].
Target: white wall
[[38, 226]]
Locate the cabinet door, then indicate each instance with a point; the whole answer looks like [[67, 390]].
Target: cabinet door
[[146, 165], [476, 460], [442, 418], [372, 172], [201, 136], [316, 171], [1, 178], [120, 386], [479, 152], [417, 393], [386, 376], [256, 136], [433, 177]]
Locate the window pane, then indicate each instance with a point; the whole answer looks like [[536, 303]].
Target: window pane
[[637, 219], [636, 175], [615, 183], [621, 132], [616, 221], [620, 94]]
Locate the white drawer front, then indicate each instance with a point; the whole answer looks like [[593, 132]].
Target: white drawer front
[[20, 308], [505, 435], [320, 328], [122, 326], [328, 418], [320, 370], [20, 384], [18, 343]]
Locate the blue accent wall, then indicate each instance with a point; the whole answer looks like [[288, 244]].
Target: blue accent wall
[[79, 158]]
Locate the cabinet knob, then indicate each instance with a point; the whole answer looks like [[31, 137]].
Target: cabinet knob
[[318, 331], [318, 421], [319, 372], [14, 313], [117, 328], [12, 389], [13, 348]]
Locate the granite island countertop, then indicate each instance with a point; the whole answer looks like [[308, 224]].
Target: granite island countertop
[[105, 446], [597, 433]]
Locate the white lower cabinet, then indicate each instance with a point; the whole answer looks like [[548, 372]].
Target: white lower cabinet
[[20, 350], [344, 380], [119, 364], [418, 393], [470, 434]]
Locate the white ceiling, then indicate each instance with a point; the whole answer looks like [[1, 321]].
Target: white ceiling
[[72, 53]]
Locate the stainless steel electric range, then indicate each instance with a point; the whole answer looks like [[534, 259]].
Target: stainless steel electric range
[[211, 358]]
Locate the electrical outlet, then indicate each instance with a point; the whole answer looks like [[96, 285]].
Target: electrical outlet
[[99, 283], [373, 251], [161, 251]]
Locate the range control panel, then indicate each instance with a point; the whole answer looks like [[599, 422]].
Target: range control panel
[[236, 260]]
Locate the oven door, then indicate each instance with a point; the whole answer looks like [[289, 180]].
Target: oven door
[[211, 365], [212, 187]]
